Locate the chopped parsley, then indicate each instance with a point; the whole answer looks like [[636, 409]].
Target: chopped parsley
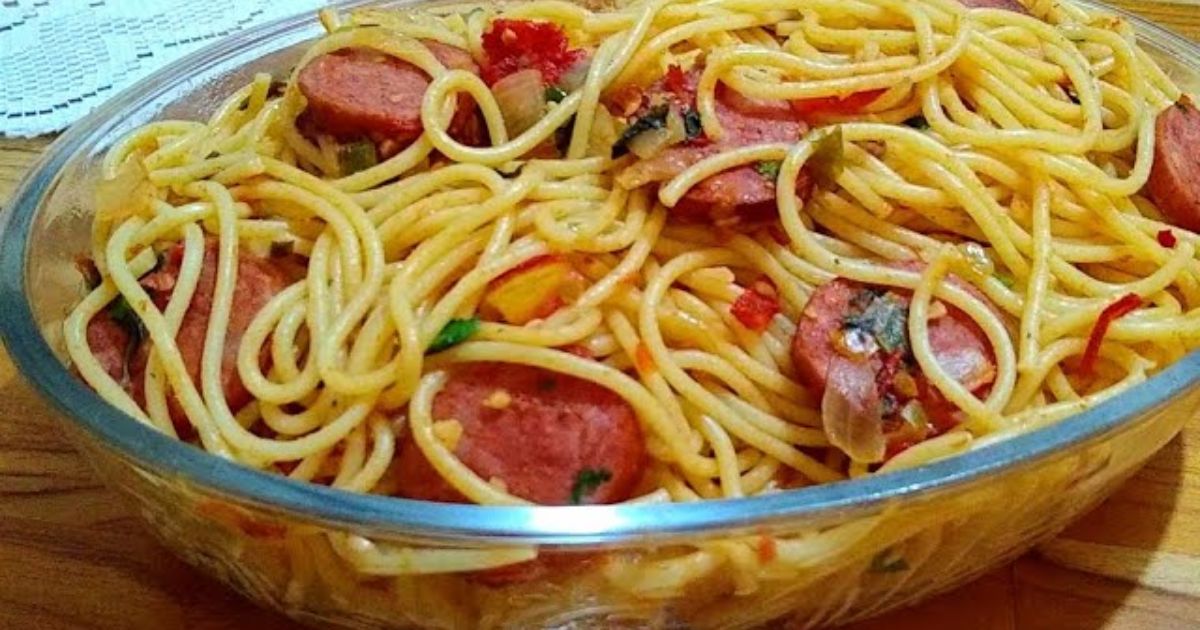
[[1006, 279], [656, 118], [886, 318], [356, 156], [453, 333], [828, 159], [587, 481], [886, 562], [769, 169], [122, 313], [555, 94]]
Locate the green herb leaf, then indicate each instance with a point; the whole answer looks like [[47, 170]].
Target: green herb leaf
[[453, 333], [123, 313], [917, 122], [586, 482], [769, 169], [555, 94], [1005, 278], [356, 156], [691, 124], [656, 118], [886, 562], [886, 318], [828, 160]]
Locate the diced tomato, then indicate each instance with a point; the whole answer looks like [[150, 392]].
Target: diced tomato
[[676, 81], [531, 290], [851, 104], [754, 308], [1122, 307], [512, 45], [1166, 238]]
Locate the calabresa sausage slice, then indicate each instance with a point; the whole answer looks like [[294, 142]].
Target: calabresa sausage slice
[[862, 329], [546, 437], [258, 280], [359, 93], [1174, 184], [109, 341], [740, 196]]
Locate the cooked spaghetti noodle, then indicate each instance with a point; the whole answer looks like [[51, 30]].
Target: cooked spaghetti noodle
[[982, 166]]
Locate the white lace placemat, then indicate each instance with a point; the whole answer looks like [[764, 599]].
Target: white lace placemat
[[59, 59]]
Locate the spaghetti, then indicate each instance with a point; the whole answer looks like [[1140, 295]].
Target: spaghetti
[[671, 251]]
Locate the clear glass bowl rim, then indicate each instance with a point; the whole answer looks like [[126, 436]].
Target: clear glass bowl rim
[[567, 526]]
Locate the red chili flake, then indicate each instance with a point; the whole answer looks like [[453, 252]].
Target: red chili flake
[[778, 234], [943, 415], [625, 100], [676, 81], [643, 359], [1166, 238], [512, 45], [1122, 307], [754, 309], [851, 104], [767, 550]]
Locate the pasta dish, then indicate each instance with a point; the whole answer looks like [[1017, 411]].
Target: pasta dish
[[667, 251]]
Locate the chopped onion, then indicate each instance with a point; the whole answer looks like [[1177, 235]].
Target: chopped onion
[[128, 193], [651, 142], [574, 77], [521, 97], [851, 412]]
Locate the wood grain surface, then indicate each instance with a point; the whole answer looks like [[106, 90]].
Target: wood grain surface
[[73, 555]]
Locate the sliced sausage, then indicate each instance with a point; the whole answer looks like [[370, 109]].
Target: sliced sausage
[[258, 280], [535, 431], [1008, 5], [739, 196], [1174, 184], [961, 347], [109, 342], [356, 93]]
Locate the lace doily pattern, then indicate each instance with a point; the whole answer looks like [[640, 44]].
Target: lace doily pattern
[[59, 59]]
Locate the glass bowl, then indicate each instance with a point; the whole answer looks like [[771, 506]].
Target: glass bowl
[[828, 554]]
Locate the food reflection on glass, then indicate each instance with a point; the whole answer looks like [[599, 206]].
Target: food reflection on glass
[[668, 252]]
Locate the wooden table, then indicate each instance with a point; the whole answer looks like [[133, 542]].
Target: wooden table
[[72, 554]]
